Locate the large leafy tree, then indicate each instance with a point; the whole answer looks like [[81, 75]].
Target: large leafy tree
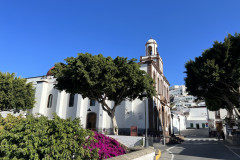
[[15, 93], [215, 75], [103, 78]]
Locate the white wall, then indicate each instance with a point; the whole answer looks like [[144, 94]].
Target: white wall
[[144, 67], [176, 122], [139, 113], [198, 112], [5, 113], [223, 114]]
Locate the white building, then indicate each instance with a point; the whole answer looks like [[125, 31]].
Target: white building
[[185, 105], [197, 118], [180, 99], [216, 118], [129, 113], [178, 90]]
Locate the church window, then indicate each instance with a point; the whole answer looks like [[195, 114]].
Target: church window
[[50, 97], [71, 100], [92, 102]]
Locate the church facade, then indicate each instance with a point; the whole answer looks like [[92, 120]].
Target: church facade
[[129, 113]]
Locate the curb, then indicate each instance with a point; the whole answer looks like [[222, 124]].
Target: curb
[[158, 154], [145, 153]]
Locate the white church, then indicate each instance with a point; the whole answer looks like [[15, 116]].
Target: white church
[[130, 113]]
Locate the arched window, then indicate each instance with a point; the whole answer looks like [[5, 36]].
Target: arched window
[[50, 97], [92, 102], [71, 100]]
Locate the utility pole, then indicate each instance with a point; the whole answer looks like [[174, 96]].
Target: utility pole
[[146, 136]]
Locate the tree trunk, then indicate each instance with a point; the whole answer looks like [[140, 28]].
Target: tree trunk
[[236, 111], [114, 123], [111, 114], [232, 105], [229, 113]]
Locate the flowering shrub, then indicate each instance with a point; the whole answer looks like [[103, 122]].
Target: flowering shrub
[[107, 147]]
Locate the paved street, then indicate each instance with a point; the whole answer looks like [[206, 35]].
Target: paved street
[[197, 146]]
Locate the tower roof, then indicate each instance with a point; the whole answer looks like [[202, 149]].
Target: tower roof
[[49, 72], [151, 41]]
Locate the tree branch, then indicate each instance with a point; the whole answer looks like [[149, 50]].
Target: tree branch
[[105, 107], [116, 104], [229, 86]]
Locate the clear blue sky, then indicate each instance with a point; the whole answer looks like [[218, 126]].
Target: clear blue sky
[[35, 34]]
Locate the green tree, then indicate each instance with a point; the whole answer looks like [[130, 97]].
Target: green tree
[[15, 93], [215, 75], [41, 138], [103, 78]]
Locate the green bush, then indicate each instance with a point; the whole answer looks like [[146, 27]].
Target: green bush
[[41, 138], [9, 122]]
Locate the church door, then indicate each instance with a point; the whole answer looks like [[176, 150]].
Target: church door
[[91, 121]]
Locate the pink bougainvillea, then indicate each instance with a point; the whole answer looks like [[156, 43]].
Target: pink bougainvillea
[[107, 147]]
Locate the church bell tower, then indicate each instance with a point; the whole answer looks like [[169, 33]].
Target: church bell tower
[[151, 54]]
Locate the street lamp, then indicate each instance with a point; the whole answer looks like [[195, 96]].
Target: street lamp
[[144, 94], [172, 123], [179, 124]]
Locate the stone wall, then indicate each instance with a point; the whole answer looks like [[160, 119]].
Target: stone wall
[[144, 154], [129, 141]]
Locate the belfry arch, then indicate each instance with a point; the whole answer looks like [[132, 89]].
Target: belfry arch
[[150, 50]]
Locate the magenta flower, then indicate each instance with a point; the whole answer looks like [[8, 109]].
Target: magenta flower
[[107, 147]]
